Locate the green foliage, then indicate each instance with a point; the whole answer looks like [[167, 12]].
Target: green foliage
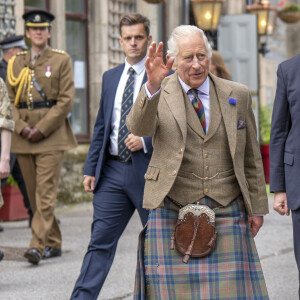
[[291, 7], [11, 181], [265, 118]]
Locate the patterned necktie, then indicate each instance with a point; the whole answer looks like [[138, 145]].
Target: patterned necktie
[[199, 108], [124, 152]]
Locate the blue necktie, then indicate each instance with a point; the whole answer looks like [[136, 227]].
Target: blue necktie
[[124, 152]]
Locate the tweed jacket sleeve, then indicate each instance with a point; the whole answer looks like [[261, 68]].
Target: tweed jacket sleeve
[[142, 120], [6, 121]]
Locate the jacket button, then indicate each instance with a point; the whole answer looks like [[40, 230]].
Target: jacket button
[[206, 155], [206, 190], [207, 168], [174, 173]]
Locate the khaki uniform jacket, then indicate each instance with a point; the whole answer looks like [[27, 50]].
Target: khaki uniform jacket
[[164, 118], [51, 122], [6, 116]]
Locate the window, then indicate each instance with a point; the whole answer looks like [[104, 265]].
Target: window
[[77, 41], [116, 9], [44, 4]]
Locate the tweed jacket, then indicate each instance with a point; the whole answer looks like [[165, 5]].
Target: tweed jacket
[[6, 121], [164, 118], [51, 122]]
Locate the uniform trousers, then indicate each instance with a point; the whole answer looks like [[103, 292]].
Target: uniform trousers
[[115, 201], [41, 174], [296, 233]]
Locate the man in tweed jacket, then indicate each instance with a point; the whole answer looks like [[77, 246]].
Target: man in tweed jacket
[[217, 164]]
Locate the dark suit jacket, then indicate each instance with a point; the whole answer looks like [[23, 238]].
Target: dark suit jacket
[[102, 130], [285, 133]]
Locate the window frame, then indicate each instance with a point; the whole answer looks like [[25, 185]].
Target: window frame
[[84, 138]]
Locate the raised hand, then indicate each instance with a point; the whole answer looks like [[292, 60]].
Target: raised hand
[[156, 69]]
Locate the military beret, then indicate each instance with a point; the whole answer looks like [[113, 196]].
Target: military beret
[[14, 41], [38, 18]]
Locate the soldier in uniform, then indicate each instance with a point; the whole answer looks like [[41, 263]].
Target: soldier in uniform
[[6, 127], [10, 46], [41, 88]]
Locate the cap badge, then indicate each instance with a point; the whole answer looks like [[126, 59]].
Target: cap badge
[[37, 18]]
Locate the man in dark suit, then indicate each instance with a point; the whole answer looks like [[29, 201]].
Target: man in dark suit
[[117, 160], [285, 146]]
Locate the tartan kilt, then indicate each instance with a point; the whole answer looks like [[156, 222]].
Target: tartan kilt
[[231, 271]]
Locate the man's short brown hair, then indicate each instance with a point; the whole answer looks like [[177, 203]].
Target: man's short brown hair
[[133, 19]]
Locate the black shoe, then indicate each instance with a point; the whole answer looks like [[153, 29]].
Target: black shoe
[[33, 256], [1, 255], [1, 228], [51, 252]]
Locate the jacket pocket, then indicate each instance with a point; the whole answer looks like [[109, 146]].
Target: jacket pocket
[[152, 173], [288, 158]]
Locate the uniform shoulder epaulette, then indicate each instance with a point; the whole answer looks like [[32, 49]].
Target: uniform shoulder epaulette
[[59, 51], [22, 53]]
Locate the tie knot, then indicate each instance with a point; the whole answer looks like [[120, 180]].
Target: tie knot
[[194, 92], [131, 71]]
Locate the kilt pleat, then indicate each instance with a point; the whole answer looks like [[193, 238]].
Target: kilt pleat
[[231, 271]]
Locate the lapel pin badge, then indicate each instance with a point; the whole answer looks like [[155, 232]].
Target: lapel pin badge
[[232, 101]]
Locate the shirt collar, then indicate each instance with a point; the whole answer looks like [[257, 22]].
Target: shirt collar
[[35, 55], [203, 89], [138, 68]]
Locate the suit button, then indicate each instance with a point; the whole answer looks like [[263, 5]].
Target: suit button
[[206, 155], [181, 150], [206, 190], [207, 168], [174, 173]]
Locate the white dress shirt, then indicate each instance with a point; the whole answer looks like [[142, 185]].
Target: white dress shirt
[[139, 69], [203, 94]]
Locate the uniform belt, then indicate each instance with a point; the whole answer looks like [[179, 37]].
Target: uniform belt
[[37, 104], [117, 157]]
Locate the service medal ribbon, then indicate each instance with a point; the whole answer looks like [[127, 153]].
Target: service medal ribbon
[[48, 71]]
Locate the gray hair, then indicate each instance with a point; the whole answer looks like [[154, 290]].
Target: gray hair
[[181, 31]]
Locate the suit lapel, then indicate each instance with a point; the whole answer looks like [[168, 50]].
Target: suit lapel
[[174, 98], [111, 90], [229, 112], [215, 113]]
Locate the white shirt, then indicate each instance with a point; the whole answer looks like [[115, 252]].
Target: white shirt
[[139, 69], [203, 94]]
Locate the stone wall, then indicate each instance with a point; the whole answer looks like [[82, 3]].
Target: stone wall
[[70, 189]]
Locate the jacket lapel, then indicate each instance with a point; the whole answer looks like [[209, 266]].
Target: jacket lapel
[[229, 112], [174, 98], [215, 113]]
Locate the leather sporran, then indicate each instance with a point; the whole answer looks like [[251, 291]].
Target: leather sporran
[[195, 232]]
